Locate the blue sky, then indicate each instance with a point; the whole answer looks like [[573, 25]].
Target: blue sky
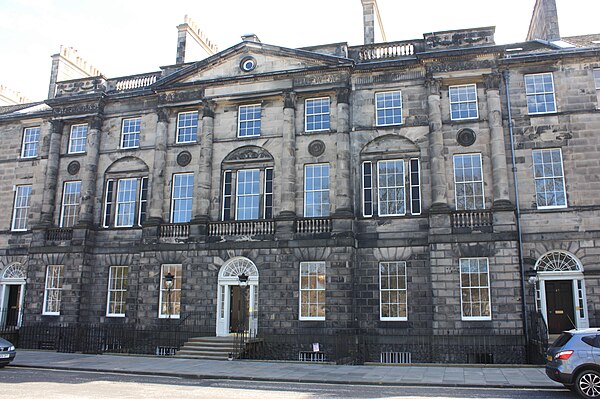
[[129, 36]]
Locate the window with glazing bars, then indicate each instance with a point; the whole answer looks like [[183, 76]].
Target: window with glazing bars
[[249, 120], [385, 195], [53, 289], [125, 202], [130, 133], [187, 127], [316, 190], [539, 89], [78, 139], [21, 208], [71, 202], [468, 182], [182, 197], [31, 140], [549, 178], [248, 194], [117, 291]]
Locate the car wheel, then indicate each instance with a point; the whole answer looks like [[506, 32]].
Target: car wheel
[[588, 384]]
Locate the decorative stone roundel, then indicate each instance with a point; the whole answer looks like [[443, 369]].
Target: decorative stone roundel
[[73, 168], [184, 158], [316, 148], [466, 137], [558, 261], [248, 64]]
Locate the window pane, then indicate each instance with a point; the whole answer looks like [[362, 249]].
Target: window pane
[[392, 290], [70, 203], [388, 108], [130, 137], [21, 208], [249, 120], [539, 89], [317, 114], [468, 178], [463, 101], [548, 178], [474, 279], [183, 189], [31, 139], [316, 190], [312, 290]]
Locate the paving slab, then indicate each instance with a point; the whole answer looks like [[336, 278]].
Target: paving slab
[[430, 375]]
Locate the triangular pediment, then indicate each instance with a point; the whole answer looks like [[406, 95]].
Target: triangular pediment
[[265, 59]]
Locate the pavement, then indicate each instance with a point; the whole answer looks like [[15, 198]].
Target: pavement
[[515, 376]]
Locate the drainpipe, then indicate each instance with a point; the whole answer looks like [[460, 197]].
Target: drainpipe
[[506, 77]]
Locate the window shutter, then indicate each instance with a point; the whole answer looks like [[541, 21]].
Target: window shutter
[[268, 211], [415, 187], [367, 175], [108, 202], [227, 191]]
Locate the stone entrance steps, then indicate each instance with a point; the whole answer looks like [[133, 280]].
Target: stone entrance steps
[[214, 348]]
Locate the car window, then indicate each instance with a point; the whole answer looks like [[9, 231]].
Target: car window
[[562, 340], [591, 340]]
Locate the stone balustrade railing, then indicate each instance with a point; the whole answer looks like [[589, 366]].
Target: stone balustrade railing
[[470, 219], [241, 228], [136, 82], [391, 50], [313, 225], [174, 230], [59, 234]]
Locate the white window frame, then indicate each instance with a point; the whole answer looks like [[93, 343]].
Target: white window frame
[[463, 90], [53, 284], [140, 210], [385, 107], [239, 196], [328, 113], [541, 92], [163, 296], [80, 141], [596, 73], [117, 287], [131, 133], [230, 194], [466, 182], [188, 125], [255, 123], [31, 137], [560, 177], [19, 208], [176, 200], [477, 286], [70, 209], [399, 279], [321, 190], [392, 188], [370, 192], [315, 270]]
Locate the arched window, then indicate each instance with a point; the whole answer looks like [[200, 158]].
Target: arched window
[[236, 266], [558, 261], [14, 271]]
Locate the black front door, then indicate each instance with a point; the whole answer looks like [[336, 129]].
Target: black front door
[[12, 315], [559, 306], [238, 320]]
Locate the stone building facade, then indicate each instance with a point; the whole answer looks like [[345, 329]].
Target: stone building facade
[[445, 186]]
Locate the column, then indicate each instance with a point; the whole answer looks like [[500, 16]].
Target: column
[[51, 177], [497, 144], [157, 192], [288, 158], [436, 146], [204, 185], [90, 175], [343, 188]]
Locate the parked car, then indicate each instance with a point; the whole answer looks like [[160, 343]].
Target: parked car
[[574, 361], [7, 352]]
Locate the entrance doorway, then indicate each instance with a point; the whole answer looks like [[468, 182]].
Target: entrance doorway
[[237, 302], [560, 291], [559, 306], [239, 317], [12, 295]]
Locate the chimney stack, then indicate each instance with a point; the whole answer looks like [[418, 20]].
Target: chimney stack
[[544, 21], [11, 97], [192, 43], [68, 65], [370, 14]]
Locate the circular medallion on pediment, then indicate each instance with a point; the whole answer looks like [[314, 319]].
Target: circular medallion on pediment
[[73, 167], [316, 148], [466, 137], [248, 64], [184, 158]]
